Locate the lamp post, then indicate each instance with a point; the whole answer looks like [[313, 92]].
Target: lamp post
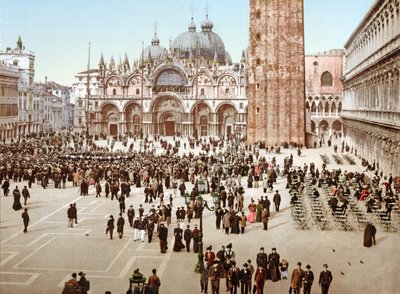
[[201, 204]]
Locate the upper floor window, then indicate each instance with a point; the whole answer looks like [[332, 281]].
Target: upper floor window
[[258, 14], [137, 91], [202, 91], [326, 79], [114, 91]]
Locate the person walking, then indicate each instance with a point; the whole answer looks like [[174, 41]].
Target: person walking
[[196, 239], [233, 278], [136, 224], [110, 227], [153, 283], [150, 229], [163, 236], [25, 218], [277, 200], [245, 279], [6, 187], [187, 235], [325, 279], [75, 213], [25, 194], [17, 196], [308, 279], [83, 283], [264, 218], [296, 279], [243, 221], [70, 215], [98, 189], [131, 215], [120, 225]]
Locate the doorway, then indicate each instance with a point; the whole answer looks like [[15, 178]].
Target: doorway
[[113, 129]]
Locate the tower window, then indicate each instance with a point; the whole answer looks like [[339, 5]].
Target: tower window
[[257, 110], [258, 14], [258, 61], [258, 86], [258, 37]]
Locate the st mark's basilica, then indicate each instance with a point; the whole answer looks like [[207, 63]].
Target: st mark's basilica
[[191, 89]]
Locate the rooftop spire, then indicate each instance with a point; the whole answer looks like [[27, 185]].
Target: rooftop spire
[[19, 43], [101, 62]]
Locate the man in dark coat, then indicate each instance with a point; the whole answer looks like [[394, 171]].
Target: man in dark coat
[[325, 279], [25, 218], [25, 194], [6, 187], [369, 235], [121, 201], [163, 236], [196, 238], [187, 235], [150, 229], [308, 279], [233, 278], [110, 226], [262, 258], [245, 279], [131, 215], [70, 215], [277, 200], [120, 225]]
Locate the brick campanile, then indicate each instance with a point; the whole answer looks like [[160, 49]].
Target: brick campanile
[[276, 94]]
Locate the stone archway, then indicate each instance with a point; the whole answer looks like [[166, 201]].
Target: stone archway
[[226, 117], [109, 119], [132, 118], [167, 116]]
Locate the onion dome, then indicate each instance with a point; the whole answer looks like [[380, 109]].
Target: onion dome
[[192, 42], [207, 25], [154, 51], [216, 43]]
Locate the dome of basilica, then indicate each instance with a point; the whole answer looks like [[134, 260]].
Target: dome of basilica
[[154, 51], [192, 44], [217, 45]]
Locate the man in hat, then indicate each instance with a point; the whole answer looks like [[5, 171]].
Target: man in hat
[[251, 270], [163, 236], [229, 254], [120, 225], [245, 279], [196, 238], [308, 279], [277, 200], [262, 258], [141, 229], [150, 228], [214, 275], [233, 278], [136, 229], [131, 215], [187, 235], [325, 279], [296, 279], [110, 226], [209, 257], [83, 283], [25, 218]]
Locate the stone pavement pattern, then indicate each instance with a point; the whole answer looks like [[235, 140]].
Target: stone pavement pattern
[[44, 258]]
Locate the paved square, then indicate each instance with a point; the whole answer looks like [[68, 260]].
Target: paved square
[[44, 258]]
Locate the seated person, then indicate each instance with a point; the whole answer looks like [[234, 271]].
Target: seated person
[[294, 199], [333, 202], [316, 193]]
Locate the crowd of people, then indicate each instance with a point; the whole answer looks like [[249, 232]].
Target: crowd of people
[[55, 161]]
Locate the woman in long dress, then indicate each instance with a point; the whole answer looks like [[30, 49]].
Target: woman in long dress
[[17, 196], [252, 212], [178, 244]]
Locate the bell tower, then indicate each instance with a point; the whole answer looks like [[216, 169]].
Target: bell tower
[[276, 88]]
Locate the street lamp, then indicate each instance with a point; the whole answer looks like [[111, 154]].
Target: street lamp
[[137, 278], [188, 198], [200, 205]]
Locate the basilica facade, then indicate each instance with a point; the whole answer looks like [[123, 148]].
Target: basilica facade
[[191, 89]]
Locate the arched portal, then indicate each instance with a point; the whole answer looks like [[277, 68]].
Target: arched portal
[[337, 125], [201, 114], [226, 114], [323, 127], [167, 116], [109, 119], [132, 118]]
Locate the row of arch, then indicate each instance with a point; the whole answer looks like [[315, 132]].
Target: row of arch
[[166, 116], [325, 106]]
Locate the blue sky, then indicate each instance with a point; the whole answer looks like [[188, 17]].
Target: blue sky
[[58, 31]]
